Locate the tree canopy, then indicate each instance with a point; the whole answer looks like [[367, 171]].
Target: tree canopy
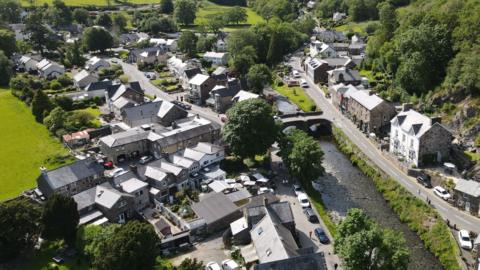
[[166, 6], [18, 227], [187, 43], [5, 69], [60, 219], [97, 39], [41, 105], [185, 11], [258, 76], [362, 244], [58, 14], [7, 42], [250, 129], [10, 11]]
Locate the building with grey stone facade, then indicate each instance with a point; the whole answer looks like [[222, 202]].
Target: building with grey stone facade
[[466, 195]]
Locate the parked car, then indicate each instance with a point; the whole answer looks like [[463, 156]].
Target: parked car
[[296, 74], [424, 180], [265, 190], [303, 199], [297, 189], [108, 165], [213, 266], [322, 236], [464, 239], [441, 192], [145, 159], [311, 216], [117, 172], [182, 105], [230, 264], [303, 84]]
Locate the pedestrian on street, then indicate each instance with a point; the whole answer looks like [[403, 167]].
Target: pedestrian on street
[[335, 266], [310, 234]]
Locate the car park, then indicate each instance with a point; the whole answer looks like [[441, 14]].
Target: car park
[[464, 240], [297, 189], [145, 159], [303, 199], [441, 192], [213, 266], [322, 236], [311, 216]]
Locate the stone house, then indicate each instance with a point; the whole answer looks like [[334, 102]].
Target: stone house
[[199, 88], [466, 195], [139, 190], [27, 63], [369, 112], [344, 75], [418, 139], [221, 96], [71, 179], [162, 112], [117, 206], [316, 70], [150, 55], [131, 93]]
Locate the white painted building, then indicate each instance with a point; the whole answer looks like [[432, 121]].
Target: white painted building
[[49, 69], [322, 49], [95, 63], [216, 58], [418, 139]]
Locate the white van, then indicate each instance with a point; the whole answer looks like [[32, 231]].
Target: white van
[[230, 265]]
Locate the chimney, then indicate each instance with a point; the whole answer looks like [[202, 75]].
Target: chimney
[[265, 201], [436, 119], [406, 107]]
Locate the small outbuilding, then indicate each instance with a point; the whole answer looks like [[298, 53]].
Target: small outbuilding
[[217, 211]]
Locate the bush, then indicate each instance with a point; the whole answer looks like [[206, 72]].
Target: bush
[[55, 85], [124, 78], [64, 80]]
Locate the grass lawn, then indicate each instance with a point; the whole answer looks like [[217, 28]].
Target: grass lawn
[[473, 156], [90, 2], [298, 96], [26, 145], [354, 27]]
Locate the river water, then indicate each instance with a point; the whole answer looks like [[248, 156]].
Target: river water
[[345, 187]]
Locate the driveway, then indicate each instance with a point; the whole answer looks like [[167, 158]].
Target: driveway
[[462, 219], [210, 249]]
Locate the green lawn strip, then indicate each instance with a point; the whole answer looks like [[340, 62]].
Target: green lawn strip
[[316, 200], [208, 9], [25, 146], [419, 217], [473, 156], [298, 96], [354, 27]]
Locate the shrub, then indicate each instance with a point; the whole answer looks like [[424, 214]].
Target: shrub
[[124, 78], [55, 85], [64, 80]]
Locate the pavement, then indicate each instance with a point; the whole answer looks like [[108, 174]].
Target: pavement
[[463, 220]]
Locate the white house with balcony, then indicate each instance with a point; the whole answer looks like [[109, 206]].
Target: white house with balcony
[[418, 139]]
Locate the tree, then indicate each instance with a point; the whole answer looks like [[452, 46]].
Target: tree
[[388, 20], [205, 43], [155, 25], [90, 238], [74, 56], [80, 15], [5, 69], [104, 20], [236, 15], [250, 129], [59, 14], [97, 39], [166, 6], [55, 120], [215, 23], [132, 246], [243, 60], [18, 227], [39, 35], [275, 49], [10, 11], [40, 105], [191, 264], [7, 42], [120, 22], [185, 11], [302, 155], [258, 76], [240, 39], [187, 43], [60, 218], [362, 244]]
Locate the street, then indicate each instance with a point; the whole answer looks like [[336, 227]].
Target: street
[[462, 219]]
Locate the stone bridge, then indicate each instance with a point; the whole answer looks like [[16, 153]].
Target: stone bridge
[[315, 123]]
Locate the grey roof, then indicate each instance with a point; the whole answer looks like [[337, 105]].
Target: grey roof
[[207, 148], [219, 71], [71, 173], [167, 108], [182, 161], [107, 196], [259, 199], [337, 62], [366, 99], [469, 187], [191, 72], [415, 121], [283, 211], [305, 262], [348, 74], [145, 110], [101, 85], [213, 207], [133, 185], [223, 91], [85, 198], [155, 173], [125, 137], [239, 195]]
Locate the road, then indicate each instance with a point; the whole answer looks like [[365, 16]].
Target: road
[[136, 75], [462, 219]]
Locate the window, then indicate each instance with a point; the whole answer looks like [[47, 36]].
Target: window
[[141, 192], [260, 231], [411, 143], [403, 137], [269, 252]]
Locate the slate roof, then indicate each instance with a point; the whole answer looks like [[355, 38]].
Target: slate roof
[[244, 95], [348, 74], [133, 185], [198, 79], [305, 262], [125, 137], [71, 173], [101, 85], [145, 110], [469, 187], [213, 207], [85, 198], [191, 72], [81, 75], [107, 196], [412, 120], [366, 100], [155, 173], [182, 161], [207, 148], [283, 211], [337, 62]]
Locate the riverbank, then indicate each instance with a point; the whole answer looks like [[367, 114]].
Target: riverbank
[[419, 217]]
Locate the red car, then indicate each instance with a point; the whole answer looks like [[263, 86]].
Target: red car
[[108, 165]]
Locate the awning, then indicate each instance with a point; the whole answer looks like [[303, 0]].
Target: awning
[[218, 186], [91, 216], [249, 253]]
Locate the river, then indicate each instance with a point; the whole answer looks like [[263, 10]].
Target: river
[[345, 187]]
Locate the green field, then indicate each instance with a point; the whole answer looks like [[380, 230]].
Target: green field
[[26, 145], [78, 3], [354, 27], [298, 96]]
